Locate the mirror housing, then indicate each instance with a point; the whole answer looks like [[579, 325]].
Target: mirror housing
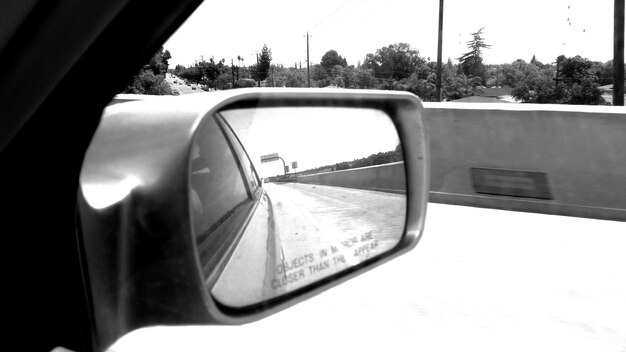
[[138, 249]]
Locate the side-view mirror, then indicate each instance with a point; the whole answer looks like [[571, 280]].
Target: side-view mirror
[[224, 208]]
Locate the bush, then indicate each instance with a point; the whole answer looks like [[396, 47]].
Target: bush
[[245, 83], [146, 82]]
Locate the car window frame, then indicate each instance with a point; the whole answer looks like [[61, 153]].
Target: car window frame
[[215, 240], [242, 154]]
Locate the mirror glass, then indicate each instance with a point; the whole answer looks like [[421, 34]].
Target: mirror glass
[[332, 193]]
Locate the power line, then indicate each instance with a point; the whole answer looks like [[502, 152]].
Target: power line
[[328, 23], [331, 14]]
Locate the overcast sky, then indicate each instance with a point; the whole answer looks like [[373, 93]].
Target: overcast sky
[[514, 29]]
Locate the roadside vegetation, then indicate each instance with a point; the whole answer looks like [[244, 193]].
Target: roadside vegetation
[[151, 78], [398, 66], [371, 160]]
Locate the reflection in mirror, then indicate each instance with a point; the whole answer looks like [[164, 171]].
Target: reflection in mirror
[[333, 195]]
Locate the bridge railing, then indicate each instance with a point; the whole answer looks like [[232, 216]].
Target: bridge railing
[[556, 159], [385, 178]]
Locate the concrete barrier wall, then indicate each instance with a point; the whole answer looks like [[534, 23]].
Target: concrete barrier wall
[[580, 149], [385, 178]]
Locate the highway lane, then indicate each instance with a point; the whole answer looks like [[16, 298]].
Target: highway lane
[[324, 229], [178, 85]]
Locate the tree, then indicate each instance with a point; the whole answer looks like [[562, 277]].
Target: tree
[[536, 62], [147, 82], [192, 74], [319, 75], [179, 69], [337, 71], [395, 62], [331, 59], [151, 78], [364, 78], [295, 78], [165, 61], [453, 86], [261, 69], [207, 73], [604, 71], [224, 81], [339, 82], [211, 70], [574, 82], [538, 88], [349, 75], [516, 72], [471, 63], [574, 69], [158, 63], [580, 82], [423, 88]]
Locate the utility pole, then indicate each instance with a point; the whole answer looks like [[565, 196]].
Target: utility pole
[[240, 63], [257, 70], [308, 73], [557, 76], [232, 71], [556, 79], [439, 45], [497, 76], [618, 53]]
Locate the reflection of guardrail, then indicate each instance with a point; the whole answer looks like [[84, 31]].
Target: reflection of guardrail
[[557, 159], [385, 178]]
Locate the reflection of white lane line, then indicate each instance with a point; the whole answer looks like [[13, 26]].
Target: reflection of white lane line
[[319, 195], [295, 220], [383, 213], [386, 218], [330, 231], [352, 191], [319, 236], [313, 236], [331, 234], [370, 200]]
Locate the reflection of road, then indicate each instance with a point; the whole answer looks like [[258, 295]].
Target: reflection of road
[[324, 229]]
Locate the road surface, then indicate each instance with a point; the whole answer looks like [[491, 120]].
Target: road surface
[[319, 231], [324, 229], [479, 280], [179, 86]]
